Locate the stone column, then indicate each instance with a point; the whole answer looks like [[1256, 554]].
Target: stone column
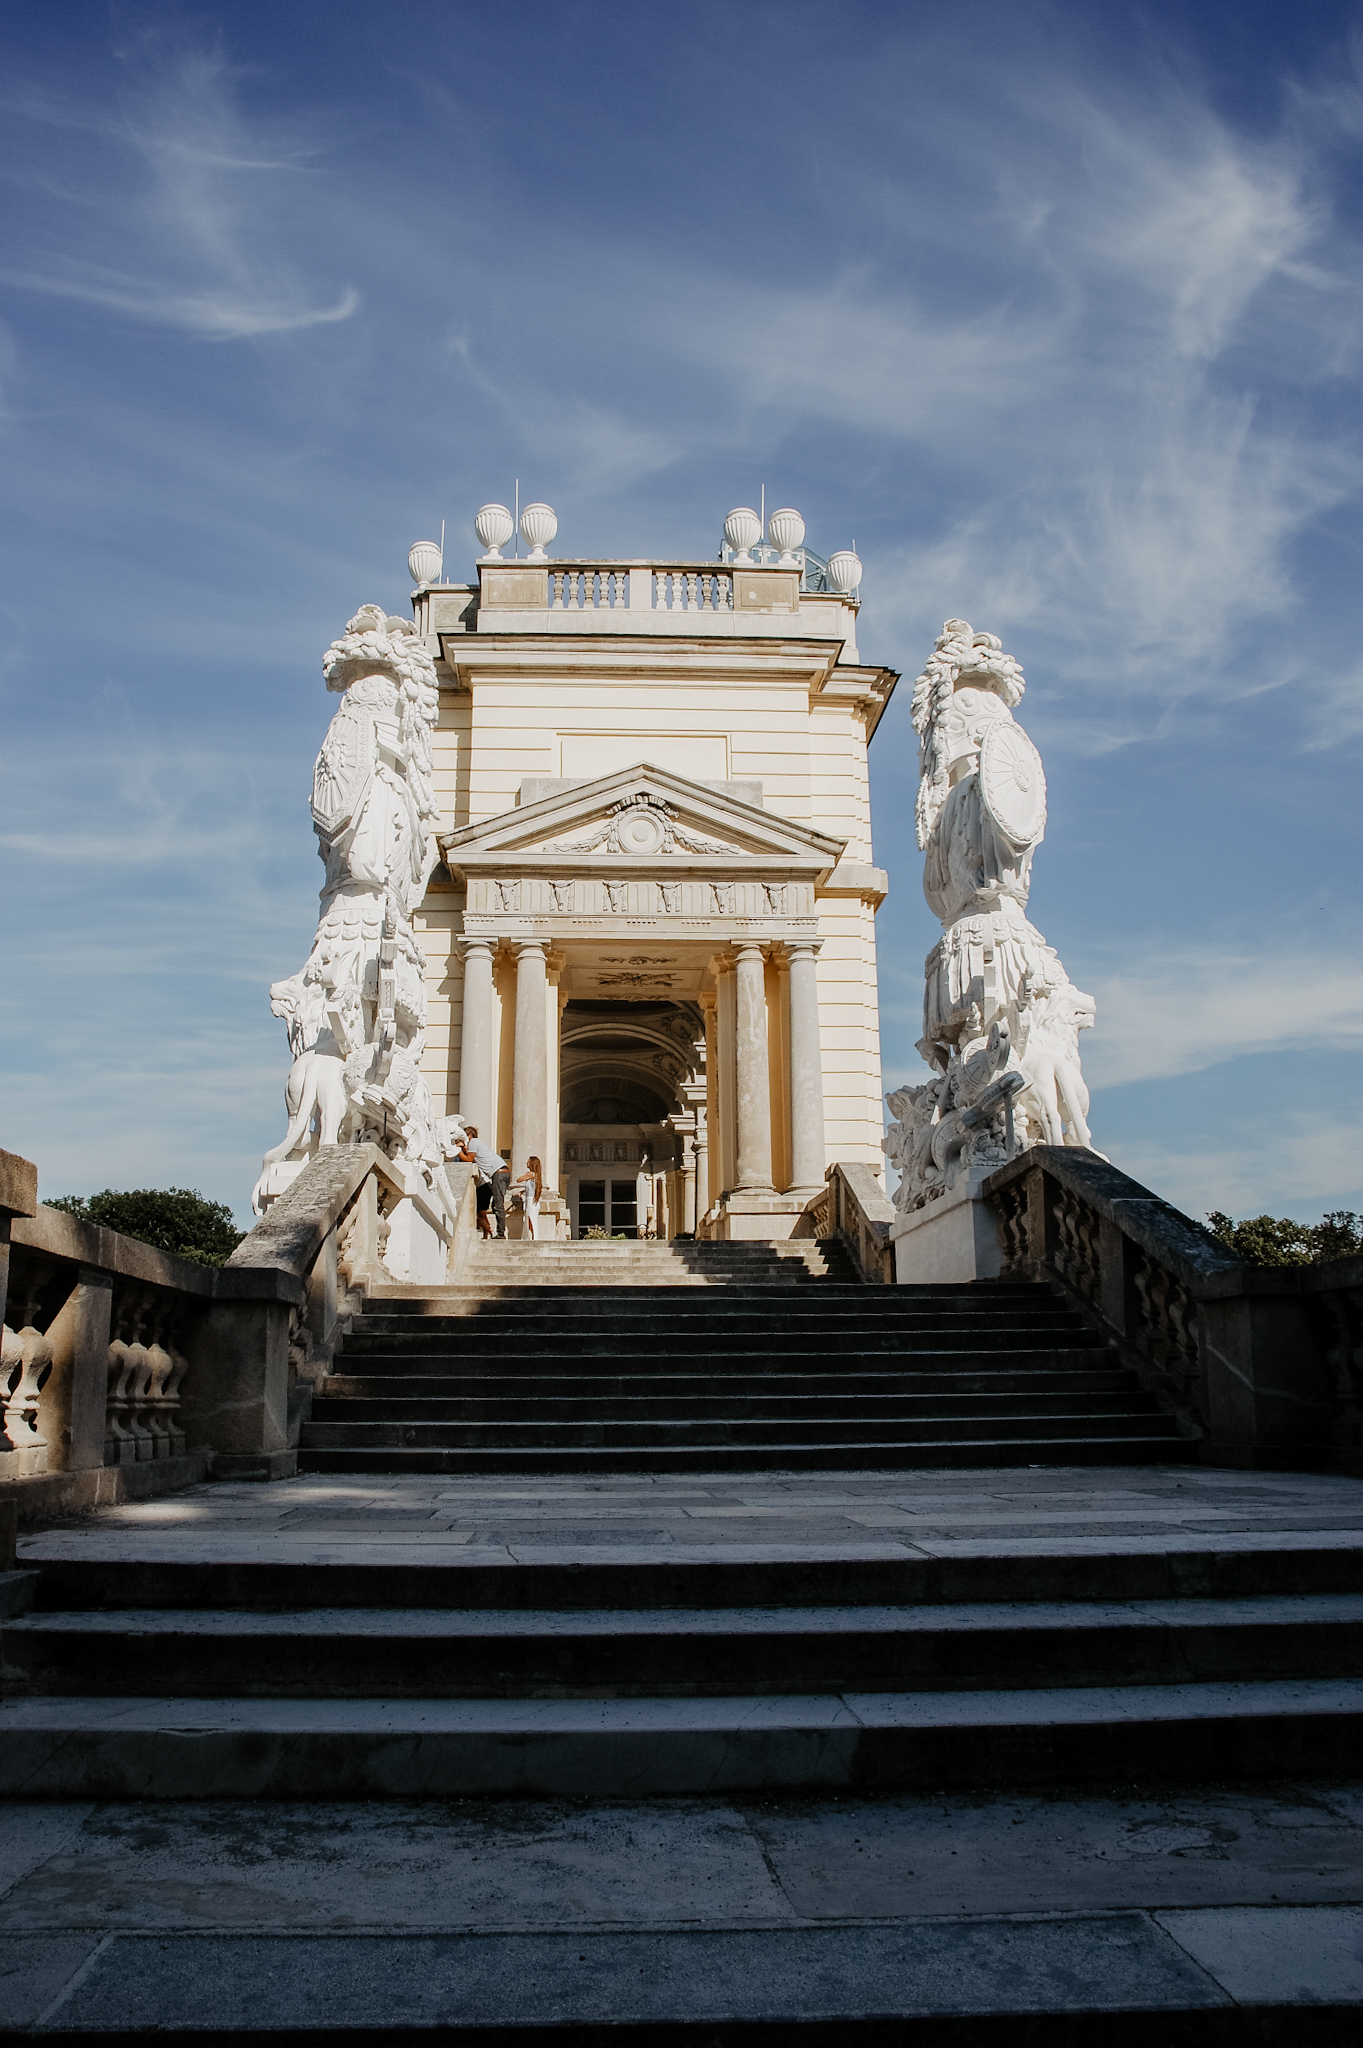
[[752, 1094], [778, 1056], [688, 1220], [703, 1142], [530, 1074], [476, 1105], [806, 1071], [714, 1172], [725, 1029]]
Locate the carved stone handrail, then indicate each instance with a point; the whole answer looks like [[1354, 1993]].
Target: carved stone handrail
[[126, 1371], [1263, 1364], [854, 1208]]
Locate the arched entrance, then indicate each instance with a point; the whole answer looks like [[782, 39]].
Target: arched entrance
[[632, 1082]]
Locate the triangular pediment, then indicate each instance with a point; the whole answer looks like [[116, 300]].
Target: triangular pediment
[[643, 815]]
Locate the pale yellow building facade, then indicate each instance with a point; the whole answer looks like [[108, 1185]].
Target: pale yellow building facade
[[650, 944]]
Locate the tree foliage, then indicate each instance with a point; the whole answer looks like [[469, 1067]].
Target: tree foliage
[[1278, 1241], [178, 1220]]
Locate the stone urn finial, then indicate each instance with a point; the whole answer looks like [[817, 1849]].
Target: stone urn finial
[[844, 572], [786, 531], [494, 527], [539, 524], [743, 530], [425, 562]]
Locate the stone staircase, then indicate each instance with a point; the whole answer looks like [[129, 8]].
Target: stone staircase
[[225, 1672], [283, 1690], [720, 1357]]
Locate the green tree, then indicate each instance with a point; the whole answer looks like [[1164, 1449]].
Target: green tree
[[1279, 1241], [178, 1220]]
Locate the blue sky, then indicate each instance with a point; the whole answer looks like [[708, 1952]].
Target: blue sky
[[1056, 309]]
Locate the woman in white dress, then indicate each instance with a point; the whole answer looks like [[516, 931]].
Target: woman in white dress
[[529, 1185]]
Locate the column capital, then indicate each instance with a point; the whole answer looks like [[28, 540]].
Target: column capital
[[473, 941], [794, 946], [522, 946]]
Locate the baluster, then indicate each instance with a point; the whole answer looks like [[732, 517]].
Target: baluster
[[160, 1363], [555, 591], [138, 1381], [116, 1433], [726, 584], [170, 1392], [26, 1360], [692, 601]]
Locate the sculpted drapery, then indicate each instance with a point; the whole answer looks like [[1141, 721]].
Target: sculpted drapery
[[1001, 1018]]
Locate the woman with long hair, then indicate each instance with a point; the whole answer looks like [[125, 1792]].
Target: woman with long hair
[[529, 1185]]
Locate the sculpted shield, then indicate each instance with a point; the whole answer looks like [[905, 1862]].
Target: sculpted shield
[[1013, 784]]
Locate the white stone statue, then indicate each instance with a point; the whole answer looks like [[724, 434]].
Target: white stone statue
[[1001, 1018], [355, 1012]]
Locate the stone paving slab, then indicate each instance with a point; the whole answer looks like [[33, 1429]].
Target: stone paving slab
[[1097, 1964], [929, 1512], [709, 1862], [311, 1917], [772, 1517]]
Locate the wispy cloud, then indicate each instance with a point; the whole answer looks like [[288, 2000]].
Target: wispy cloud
[[1183, 1010], [212, 315], [1309, 1162], [190, 199]]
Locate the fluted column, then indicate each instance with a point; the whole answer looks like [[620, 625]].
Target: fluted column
[[806, 1071], [725, 1072], [714, 1170], [688, 1222], [752, 1093], [530, 1075], [476, 1106], [703, 1142]]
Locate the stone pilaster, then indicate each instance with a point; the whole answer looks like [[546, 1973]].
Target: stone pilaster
[[752, 1071], [806, 1071], [530, 1075]]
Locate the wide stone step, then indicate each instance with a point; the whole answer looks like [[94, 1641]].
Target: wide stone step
[[719, 1340], [793, 1427], [420, 1653], [408, 1299], [241, 1572], [176, 1748], [893, 1304], [762, 1404], [1038, 1375], [887, 1455]]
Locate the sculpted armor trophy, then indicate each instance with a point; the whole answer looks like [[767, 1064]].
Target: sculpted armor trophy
[[356, 1010], [1001, 1018]]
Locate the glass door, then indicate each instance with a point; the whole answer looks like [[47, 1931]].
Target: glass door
[[609, 1205]]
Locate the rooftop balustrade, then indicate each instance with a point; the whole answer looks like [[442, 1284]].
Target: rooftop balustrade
[[667, 597]]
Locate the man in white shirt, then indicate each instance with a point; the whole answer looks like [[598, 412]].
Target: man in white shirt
[[494, 1177]]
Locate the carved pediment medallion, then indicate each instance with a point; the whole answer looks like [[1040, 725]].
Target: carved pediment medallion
[[640, 825], [642, 817]]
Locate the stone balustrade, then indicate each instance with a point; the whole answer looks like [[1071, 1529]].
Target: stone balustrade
[[651, 598], [1263, 1364], [853, 1207], [126, 1372]]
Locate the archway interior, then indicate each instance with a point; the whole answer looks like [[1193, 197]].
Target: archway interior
[[625, 1070]]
